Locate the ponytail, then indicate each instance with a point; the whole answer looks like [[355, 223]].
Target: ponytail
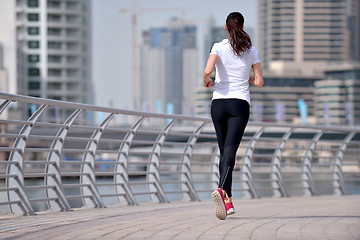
[[238, 38]]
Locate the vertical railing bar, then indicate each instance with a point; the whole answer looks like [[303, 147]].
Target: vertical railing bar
[[18, 156], [246, 164], [186, 167], [122, 180], [90, 178], [338, 178], [276, 165], [308, 182], [23, 197], [21, 202], [154, 164], [55, 168]]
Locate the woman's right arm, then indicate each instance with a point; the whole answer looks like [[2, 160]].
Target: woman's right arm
[[208, 70], [258, 80]]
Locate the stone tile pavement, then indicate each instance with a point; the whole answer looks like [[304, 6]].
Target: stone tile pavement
[[325, 217]]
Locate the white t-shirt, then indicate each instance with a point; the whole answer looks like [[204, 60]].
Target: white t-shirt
[[233, 71]]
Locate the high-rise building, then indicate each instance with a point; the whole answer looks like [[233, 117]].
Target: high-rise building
[[212, 34], [337, 97], [169, 68], [278, 99], [53, 42], [354, 27], [297, 35], [8, 46], [3, 88], [3, 73]]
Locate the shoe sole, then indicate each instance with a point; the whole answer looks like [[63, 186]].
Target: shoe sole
[[219, 204], [230, 212]]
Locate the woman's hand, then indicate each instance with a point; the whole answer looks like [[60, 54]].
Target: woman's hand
[[208, 82]]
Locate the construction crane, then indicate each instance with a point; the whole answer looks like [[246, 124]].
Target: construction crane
[[134, 11]]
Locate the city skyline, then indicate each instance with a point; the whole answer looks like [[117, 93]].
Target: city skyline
[[112, 48], [45, 32]]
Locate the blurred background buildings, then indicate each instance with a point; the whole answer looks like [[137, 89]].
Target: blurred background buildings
[[169, 68], [300, 35], [310, 52], [48, 53]]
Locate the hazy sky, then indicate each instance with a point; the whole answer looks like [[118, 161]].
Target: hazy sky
[[112, 37]]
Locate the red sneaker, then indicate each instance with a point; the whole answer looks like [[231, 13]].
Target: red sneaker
[[229, 208], [219, 201]]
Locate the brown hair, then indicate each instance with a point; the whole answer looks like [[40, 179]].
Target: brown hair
[[239, 39]]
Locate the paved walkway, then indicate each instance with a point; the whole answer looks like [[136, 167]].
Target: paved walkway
[[326, 217]]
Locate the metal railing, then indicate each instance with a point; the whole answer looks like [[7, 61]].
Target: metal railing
[[59, 159]]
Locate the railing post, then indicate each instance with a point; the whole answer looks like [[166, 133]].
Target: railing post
[[338, 178], [246, 176], [55, 168], [121, 173], [17, 169], [154, 163], [307, 179], [88, 167], [4, 105], [186, 166], [276, 176], [215, 177]]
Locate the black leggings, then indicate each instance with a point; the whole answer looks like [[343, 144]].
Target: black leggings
[[230, 117]]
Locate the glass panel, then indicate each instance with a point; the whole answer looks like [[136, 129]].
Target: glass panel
[[54, 59], [34, 72], [54, 85], [54, 4], [33, 17], [33, 31], [54, 72], [33, 44], [54, 17], [34, 85], [54, 31], [33, 58], [54, 45], [33, 3]]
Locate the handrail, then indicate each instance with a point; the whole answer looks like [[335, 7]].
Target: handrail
[[71, 163]]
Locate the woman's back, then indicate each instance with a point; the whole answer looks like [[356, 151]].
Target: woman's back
[[233, 71]]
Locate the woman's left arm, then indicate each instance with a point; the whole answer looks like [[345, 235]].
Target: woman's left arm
[[258, 80], [208, 70]]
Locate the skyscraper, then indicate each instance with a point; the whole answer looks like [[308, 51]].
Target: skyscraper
[[169, 68], [53, 42], [337, 98], [298, 35], [212, 34]]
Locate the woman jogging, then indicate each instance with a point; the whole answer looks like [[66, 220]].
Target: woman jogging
[[230, 108]]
